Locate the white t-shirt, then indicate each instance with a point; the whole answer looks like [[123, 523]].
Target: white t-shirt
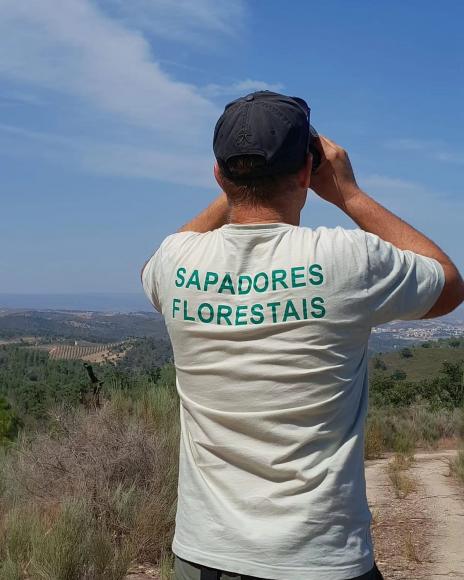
[[269, 325]]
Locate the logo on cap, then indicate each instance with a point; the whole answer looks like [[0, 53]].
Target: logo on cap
[[243, 137]]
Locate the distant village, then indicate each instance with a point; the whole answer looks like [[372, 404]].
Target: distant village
[[432, 329]]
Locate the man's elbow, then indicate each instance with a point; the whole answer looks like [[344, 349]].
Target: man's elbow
[[451, 296], [142, 270]]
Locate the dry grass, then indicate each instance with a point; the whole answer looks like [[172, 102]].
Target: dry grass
[[457, 466], [94, 494], [375, 513], [166, 567], [402, 430], [411, 550], [403, 484]]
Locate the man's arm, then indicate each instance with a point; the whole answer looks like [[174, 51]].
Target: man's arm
[[335, 182], [211, 218]]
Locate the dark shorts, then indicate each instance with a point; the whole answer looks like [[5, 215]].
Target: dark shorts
[[185, 570]]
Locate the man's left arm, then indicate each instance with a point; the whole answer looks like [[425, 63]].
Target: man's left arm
[[211, 218]]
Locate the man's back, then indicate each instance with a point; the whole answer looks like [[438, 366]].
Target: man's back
[[269, 325]]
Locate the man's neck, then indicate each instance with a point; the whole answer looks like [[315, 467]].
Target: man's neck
[[247, 214]]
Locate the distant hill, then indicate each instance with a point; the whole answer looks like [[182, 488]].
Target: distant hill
[[89, 326], [106, 325], [95, 301]]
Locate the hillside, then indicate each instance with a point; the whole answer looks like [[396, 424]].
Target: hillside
[[423, 364], [80, 325]]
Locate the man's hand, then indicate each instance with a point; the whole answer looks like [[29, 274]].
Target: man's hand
[[334, 180]]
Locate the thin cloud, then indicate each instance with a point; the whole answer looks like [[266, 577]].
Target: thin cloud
[[18, 98], [434, 212], [109, 159], [99, 55], [409, 144], [392, 184], [72, 47], [435, 150], [194, 169], [240, 87], [184, 21]]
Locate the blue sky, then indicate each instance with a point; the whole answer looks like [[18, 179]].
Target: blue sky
[[107, 109]]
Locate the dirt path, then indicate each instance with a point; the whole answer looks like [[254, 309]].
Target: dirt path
[[420, 536], [445, 502]]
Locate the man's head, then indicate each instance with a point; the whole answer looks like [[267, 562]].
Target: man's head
[[262, 144]]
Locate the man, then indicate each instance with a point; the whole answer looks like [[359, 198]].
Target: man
[[269, 324]]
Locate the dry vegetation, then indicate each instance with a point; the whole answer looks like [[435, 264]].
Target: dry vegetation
[[402, 430], [402, 482], [95, 494], [457, 466]]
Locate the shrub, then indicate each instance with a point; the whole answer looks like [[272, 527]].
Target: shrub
[[402, 429], [406, 352], [374, 444], [457, 466], [379, 364], [103, 481], [398, 375], [403, 483], [66, 544]]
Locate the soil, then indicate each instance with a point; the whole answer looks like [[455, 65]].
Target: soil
[[418, 537]]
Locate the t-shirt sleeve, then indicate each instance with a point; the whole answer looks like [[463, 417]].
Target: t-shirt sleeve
[[401, 285], [159, 269], [151, 277]]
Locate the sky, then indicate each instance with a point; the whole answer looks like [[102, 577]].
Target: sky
[[107, 110]]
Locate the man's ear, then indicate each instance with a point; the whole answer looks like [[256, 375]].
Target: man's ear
[[217, 174], [304, 175]]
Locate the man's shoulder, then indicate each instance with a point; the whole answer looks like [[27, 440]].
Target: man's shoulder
[[180, 238], [335, 233]]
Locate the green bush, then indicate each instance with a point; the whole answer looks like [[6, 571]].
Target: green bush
[[9, 422], [406, 352], [398, 375]]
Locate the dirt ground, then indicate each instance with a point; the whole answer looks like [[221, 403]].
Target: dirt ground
[[420, 536]]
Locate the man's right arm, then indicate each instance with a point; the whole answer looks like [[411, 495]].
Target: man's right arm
[[335, 182]]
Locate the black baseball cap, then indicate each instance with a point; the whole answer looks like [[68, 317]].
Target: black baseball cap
[[270, 125]]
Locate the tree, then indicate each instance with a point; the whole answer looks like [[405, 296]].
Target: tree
[[453, 381], [9, 422], [406, 352]]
